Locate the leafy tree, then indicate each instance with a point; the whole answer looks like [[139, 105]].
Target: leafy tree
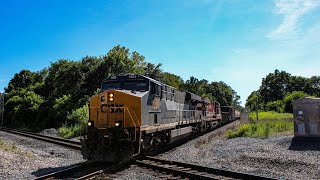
[[254, 100], [315, 86], [290, 97], [172, 80], [24, 109], [153, 71], [222, 93], [22, 80], [275, 86], [277, 106]]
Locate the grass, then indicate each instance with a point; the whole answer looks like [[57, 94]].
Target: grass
[[269, 124], [13, 148], [270, 115]]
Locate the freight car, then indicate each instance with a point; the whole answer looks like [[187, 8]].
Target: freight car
[[134, 113], [229, 114]]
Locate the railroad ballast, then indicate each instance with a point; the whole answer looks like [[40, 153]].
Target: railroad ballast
[[134, 113]]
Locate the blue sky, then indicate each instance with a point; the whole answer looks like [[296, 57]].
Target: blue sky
[[235, 41]]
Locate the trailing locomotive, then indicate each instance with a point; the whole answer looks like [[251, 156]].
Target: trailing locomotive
[[134, 113]]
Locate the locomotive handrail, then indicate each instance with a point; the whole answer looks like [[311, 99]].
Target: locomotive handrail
[[131, 117]]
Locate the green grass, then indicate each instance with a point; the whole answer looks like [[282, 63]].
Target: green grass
[[270, 115], [13, 148], [269, 124]]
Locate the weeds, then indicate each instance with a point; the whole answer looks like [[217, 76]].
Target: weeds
[[13, 148], [269, 124]]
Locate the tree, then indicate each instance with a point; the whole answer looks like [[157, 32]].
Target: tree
[[277, 106], [222, 93], [275, 86], [23, 108], [172, 80], [153, 71], [290, 97], [315, 86], [22, 80]]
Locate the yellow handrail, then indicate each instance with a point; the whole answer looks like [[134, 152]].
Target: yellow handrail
[[131, 118]]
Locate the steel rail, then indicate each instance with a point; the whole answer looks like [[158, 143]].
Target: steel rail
[[86, 170], [81, 171], [193, 171], [55, 140]]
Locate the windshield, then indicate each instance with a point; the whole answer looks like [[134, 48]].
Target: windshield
[[128, 84], [111, 85], [136, 84]]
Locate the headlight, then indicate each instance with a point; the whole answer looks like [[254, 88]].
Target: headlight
[[111, 97], [117, 124], [103, 98]]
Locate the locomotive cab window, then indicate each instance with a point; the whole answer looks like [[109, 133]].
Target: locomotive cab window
[[111, 84], [155, 89], [135, 84]]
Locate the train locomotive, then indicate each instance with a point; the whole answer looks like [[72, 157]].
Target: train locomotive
[[134, 113]]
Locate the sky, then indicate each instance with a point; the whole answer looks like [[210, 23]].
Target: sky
[[235, 41]]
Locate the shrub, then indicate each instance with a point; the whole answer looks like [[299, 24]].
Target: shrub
[[290, 97], [269, 124], [277, 106], [79, 116], [70, 131]]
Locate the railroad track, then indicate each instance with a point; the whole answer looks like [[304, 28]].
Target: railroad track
[[86, 170], [82, 171], [191, 171], [55, 140]]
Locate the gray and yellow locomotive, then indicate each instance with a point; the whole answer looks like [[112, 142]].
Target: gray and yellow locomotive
[[134, 113]]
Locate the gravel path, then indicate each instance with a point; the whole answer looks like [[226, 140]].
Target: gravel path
[[27, 158], [271, 157]]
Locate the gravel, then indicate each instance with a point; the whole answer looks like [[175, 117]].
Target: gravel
[[34, 157], [50, 132], [273, 157], [134, 172]]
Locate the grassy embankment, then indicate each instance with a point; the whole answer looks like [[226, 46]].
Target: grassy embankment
[[13, 149], [269, 124]]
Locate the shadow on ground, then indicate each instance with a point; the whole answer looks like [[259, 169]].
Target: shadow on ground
[[45, 171], [305, 144]]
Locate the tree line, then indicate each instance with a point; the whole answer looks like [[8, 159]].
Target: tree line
[[58, 96], [279, 89]]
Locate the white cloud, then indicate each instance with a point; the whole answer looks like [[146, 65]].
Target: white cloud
[[292, 11]]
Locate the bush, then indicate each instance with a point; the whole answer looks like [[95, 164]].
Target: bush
[[269, 124], [70, 131], [79, 116], [277, 106], [76, 123], [290, 97]]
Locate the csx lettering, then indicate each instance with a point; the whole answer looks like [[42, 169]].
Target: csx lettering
[[115, 110]]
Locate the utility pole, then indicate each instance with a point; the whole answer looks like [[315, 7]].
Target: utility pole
[[1, 107], [257, 113]]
